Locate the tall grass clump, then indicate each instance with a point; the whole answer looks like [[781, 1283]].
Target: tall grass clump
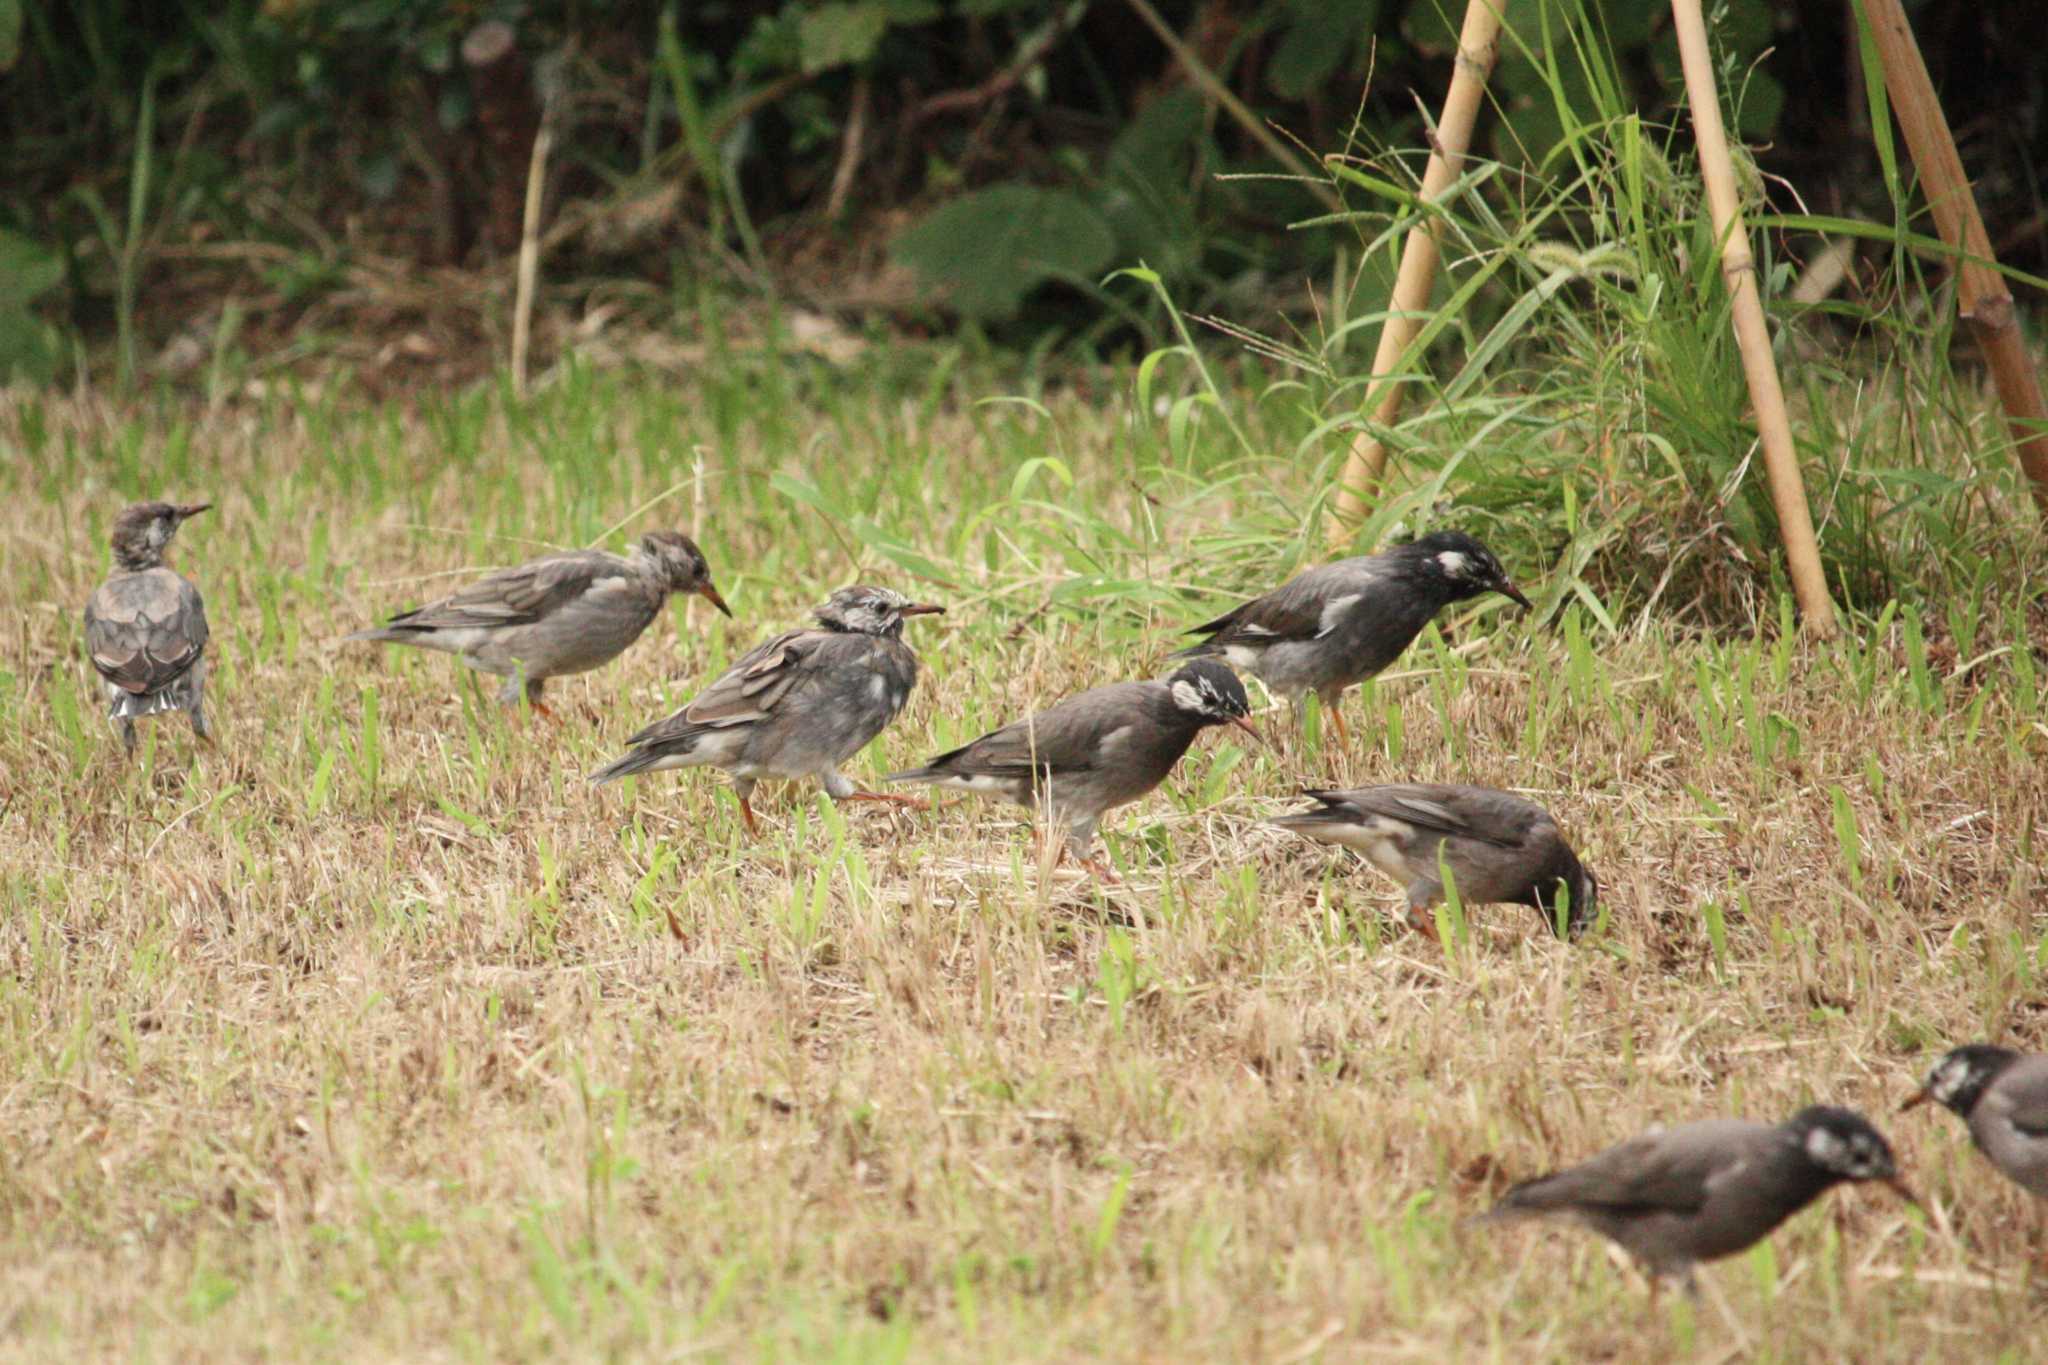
[[1578, 393]]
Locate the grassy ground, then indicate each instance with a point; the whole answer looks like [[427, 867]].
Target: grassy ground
[[373, 1032]]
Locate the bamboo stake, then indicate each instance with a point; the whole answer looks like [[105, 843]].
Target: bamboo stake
[[1738, 268], [1478, 43], [529, 252], [1984, 301]]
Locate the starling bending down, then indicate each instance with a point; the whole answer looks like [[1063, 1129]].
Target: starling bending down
[[1103, 748], [1338, 624], [2003, 1096], [565, 613], [145, 627], [1498, 847], [1677, 1196], [798, 706]]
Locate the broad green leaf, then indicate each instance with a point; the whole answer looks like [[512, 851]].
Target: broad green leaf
[[987, 250], [27, 267]]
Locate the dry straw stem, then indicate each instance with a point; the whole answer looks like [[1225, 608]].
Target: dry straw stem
[[1738, 268], [1478, 45], [1985, 302]]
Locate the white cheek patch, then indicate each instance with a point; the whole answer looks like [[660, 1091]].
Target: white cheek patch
[[1454, 564], [1827, 1150], [1188, 697], [1948, 1080]]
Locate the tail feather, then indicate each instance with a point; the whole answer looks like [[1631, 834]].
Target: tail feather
[[638, 761], [128, 705], [924, 774], [1203, 649], [379, 634]]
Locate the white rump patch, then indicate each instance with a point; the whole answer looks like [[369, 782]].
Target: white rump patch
[[878, 687], [1242, 659]]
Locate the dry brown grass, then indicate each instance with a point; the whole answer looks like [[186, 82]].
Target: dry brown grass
[[546, 1072]]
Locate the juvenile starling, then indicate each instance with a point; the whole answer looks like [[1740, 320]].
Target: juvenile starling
[[145, 627], [1103, 748], [1677, 1196], [564, 613], [1339, 624], [1498, 847], [798, 706]]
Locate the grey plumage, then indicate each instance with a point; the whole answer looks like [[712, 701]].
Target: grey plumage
[[560, 614], [145, 627], [1678, 1196], [1095, 751], [1499, 847], [796, 706], [1339, 624], [2003, 1096]]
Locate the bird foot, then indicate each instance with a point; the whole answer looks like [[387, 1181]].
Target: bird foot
[[891, 798], [1102, 870], [747, 816], [1424, 923]]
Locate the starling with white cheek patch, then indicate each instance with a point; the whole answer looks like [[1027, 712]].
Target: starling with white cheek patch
[[1498, 847], [2003, 1096], [1339, 624], [1103, 748], [1677, 1196], [798, 706]]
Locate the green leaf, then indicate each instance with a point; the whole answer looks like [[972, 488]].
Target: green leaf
[[988, 249], [840, 34], [11, 12], [1321, 35], [27, 267]]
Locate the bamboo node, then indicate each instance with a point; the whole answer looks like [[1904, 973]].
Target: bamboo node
[[1993, 312]]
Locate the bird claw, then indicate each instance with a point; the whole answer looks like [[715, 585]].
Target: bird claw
[[905, 802]]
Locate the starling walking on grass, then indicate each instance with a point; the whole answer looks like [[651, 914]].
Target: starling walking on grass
[[145, 627], [564, 613], [1339, 624], [798, 706], [1677, 1196], [1104, 748]]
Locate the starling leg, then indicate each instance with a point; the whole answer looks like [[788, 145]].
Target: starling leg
[[127, 728], [533, 687], [747, 815], [1334, 709], [1102, 870], [907, 802], [1423, 923]]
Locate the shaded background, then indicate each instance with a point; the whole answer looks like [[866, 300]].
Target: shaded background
[[349, 175]]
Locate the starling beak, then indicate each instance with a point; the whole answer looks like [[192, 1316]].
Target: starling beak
[[714, 597]]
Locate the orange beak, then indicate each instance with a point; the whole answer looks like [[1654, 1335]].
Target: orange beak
[[1241, 723], [1920, 1097], [192, 509], [710, 594], [1899, 1188], [923, 609]]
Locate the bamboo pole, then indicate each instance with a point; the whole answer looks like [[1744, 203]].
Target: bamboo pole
[[1984, 301], [1478, 43], [1738, 268]]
